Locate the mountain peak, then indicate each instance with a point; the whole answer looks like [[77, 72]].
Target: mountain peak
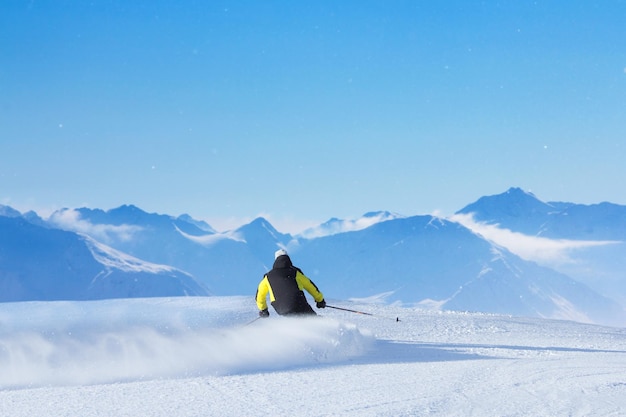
[[126, 209], [201, 224], [335, 226], [260, 224], [371, 214], [9, 211], [514, 202], [518, 190]]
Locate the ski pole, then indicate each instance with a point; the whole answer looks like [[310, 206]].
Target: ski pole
[[251, 321], [347, 309], [358, 312]]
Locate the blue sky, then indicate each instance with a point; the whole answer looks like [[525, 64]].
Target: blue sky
[[302, 111]]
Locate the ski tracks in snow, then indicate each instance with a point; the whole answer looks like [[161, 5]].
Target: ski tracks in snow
[[196, 357]]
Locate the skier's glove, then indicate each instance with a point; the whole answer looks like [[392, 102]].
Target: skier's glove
[[321, 304], [264, 313]]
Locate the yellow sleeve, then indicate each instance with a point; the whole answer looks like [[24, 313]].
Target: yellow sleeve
[[305, 283], [261, 293]]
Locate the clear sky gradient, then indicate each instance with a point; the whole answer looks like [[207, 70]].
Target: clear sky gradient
[[304, 110]]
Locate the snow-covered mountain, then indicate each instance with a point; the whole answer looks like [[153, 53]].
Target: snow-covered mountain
[[38, 263], [224, 262], [440, 263], [522, 211], [335, 226], [424, 260], [586, 242]]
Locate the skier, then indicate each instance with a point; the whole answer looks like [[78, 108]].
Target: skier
[[285, 283]]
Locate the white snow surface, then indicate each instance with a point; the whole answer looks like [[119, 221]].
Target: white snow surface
[[113, 258], [208, 356]]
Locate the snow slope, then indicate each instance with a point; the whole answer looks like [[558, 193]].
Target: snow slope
[[206, 356], [39, 263]]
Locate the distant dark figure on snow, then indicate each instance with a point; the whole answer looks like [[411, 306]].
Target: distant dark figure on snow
[[284, 284]]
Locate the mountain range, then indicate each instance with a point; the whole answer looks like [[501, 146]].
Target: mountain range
[[457, 263]]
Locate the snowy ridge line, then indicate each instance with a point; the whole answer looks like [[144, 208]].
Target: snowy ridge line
[[113, 258], [210, 239], [336, 226]]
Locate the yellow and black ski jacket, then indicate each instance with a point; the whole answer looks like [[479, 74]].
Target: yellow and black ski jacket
[[284, 284]]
